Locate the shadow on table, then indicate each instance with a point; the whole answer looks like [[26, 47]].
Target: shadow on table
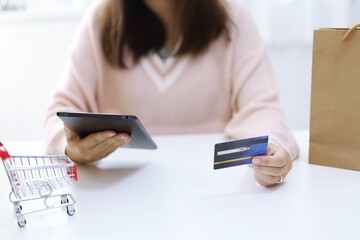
[[104, 175], [242, 186]]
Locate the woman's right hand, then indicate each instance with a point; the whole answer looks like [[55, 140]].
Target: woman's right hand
[[93, 147]]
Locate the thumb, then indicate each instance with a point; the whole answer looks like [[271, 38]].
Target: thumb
[[70, 134]]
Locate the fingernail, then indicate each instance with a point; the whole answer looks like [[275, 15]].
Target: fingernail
[[111, 134], [124, 139], [256, 160]]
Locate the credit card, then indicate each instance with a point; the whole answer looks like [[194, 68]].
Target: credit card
[[239, 152]]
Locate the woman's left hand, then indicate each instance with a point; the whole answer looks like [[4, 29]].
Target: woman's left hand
[[272, 168]]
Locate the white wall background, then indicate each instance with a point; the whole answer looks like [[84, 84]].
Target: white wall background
[[34, 45], [33, 51], [287, 28]]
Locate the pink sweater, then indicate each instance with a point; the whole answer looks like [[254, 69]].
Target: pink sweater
[[231, 88]]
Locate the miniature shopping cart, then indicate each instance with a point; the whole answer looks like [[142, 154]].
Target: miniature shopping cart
[[37, 178]]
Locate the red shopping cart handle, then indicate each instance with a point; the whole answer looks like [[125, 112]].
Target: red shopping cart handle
[[3, 153]]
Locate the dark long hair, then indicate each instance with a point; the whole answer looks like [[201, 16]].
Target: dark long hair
[[130, 24]]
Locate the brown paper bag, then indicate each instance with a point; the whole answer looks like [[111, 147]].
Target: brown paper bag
[[335, 99]]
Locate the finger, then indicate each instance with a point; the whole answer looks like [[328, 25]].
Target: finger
[[272, 171], [121, 138], [269, 180], [108, 146], [124, 137], [273, 148], [262, 182], [96, 146], [270, 161], [94, 139], [110, 149], [276, 157], [82, 148], [69, 133]]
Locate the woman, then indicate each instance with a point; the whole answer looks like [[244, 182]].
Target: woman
[[181, 66]]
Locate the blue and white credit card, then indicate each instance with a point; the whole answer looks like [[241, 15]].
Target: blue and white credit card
[[239, 152]]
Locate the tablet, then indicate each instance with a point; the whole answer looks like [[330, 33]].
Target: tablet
[[88, 123]]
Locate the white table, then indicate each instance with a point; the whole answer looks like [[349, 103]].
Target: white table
[[174, 193]]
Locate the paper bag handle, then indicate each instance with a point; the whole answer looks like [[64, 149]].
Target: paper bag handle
[[350, 32]]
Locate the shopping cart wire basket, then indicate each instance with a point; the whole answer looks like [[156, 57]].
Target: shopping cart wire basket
[[37, 178]]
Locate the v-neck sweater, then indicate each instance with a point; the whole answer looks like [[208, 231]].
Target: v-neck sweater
[[230, 88]]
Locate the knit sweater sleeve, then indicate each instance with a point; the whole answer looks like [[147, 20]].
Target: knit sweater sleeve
[[76, 89], [254, 89]]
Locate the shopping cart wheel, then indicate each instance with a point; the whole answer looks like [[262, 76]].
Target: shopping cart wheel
[[64, 199], [17, 208], [70, 210], [22, 222]]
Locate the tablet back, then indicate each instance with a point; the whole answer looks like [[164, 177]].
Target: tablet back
[[88, 123]]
